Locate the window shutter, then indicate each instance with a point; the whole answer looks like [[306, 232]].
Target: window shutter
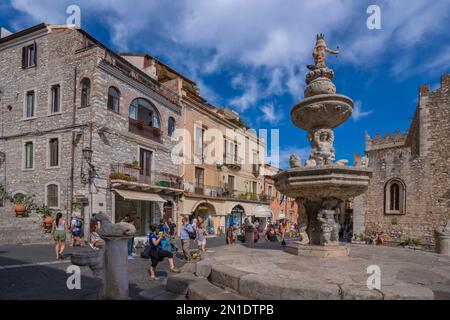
[[35, 53], [24, 57]]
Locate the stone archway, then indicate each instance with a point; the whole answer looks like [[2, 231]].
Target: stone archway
[[205, 213], [236, 216]]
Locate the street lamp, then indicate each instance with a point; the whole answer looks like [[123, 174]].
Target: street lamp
[[87, 154]]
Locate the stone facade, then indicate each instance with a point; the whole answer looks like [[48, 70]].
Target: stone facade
[[418, 163], [66, 56]]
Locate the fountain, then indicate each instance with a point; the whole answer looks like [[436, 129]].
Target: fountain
[[322, 184]]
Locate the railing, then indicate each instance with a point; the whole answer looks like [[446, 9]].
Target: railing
[[225, 192], [132, 173], [138, 127], [140, 76]]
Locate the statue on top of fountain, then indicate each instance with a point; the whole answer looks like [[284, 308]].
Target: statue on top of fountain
[[320, 52]]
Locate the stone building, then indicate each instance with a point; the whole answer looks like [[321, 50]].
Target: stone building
[[82, 127], [222, 168], [409, 194]]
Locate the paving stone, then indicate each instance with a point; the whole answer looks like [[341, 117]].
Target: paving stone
[[226, 277], [179, 283]]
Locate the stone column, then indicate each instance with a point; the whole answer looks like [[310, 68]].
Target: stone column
[[116, 268], [358, 215]]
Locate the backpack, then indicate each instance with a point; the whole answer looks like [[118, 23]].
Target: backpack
[[146, 253], [192, 234], [79, 224]]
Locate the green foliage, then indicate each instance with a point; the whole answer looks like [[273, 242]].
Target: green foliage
[[412, 242], [44, 211], [122, 176]]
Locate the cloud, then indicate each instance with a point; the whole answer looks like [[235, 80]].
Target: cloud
[[358, 112], [251, 92], [270, 115]]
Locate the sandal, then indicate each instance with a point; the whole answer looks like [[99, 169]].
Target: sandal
[[174, 270]]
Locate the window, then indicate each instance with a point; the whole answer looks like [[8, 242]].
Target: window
[[55, 96], [29, 56], [395, 197], [113, 99], [170, 126], [143, 110], [230, 151], [52, 197], [29, 155], [145, 163], [254, 187], [85, 92], [29, 104], [53, 152], [199, 135], [269, 191], [199, 180], [231, 183]]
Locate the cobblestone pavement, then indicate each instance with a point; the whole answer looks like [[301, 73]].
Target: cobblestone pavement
[[31, 272]]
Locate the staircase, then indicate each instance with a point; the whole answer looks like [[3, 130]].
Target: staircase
[[21, 230]]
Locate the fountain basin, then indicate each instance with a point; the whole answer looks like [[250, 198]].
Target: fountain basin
[[317, 183], [322, 111]]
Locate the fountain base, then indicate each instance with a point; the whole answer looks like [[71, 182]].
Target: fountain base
[[316, 251]]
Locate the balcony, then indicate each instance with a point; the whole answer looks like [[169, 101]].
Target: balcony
[[225, 192], [130, 173], [138, 127], [255, 169], [233, 162]]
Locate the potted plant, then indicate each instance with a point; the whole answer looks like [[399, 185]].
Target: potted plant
[[47, 217], [21, 204], [135, 164]]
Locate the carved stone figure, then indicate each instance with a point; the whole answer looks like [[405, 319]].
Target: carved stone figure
[[294, 161], [304, 236], [342, 163], [310, 163], [109, 229], [320, 52], [329, 225], [322, 146], [152, 70]]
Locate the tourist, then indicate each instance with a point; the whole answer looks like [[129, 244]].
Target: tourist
[[59, 228], [201, 238], [77, 230], [172, 227], [232, 234], [256, 235], [257, 224], [95, 238], [283, 231], [185, 239], [129, 220], [158, 252], [270, 234]]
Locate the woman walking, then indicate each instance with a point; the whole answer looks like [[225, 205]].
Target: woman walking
[[201, 238], [59, 234], [158, 252]]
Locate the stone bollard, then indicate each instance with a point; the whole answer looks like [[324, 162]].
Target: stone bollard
[[249, 237], [116, 268], [442, 237]]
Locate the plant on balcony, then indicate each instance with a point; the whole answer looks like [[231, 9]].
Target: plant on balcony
[[122, 176], [156, 132]]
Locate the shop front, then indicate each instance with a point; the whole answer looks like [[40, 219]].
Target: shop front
[[263, 215]]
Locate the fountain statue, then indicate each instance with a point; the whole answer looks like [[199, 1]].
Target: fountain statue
[[322, 184]]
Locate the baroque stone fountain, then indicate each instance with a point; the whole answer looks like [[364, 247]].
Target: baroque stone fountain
[[323, 184]]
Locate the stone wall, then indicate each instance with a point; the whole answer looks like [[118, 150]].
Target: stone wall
[[422, 161]]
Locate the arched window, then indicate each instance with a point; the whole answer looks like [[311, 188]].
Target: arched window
[[85, 92], [144, 111], [113, 99], [395, 197], [170, 126], [52, 195]]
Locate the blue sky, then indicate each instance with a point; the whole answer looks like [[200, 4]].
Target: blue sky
[[251, 55]]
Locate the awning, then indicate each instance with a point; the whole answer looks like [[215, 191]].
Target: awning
[[262, 212], [142, 196]]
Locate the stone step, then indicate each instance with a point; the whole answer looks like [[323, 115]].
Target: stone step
[[159, 293]]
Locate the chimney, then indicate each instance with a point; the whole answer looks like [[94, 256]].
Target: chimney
[[4, 33]]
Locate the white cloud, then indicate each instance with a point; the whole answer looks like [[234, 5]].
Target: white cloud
[[270, 115], [358, 112]]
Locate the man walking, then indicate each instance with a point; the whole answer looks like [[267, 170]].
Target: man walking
[[185, 239]]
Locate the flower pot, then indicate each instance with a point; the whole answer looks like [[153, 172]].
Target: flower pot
[[48, 222], [20, 209]]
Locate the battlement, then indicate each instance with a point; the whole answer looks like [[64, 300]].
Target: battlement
[[388, 141], [424, 90]]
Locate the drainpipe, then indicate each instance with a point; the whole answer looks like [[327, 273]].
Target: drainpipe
[[72, 151]]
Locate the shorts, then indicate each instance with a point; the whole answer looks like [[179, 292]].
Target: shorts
[[201, 242], [158, 255], [77, 233], [60, 235]]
